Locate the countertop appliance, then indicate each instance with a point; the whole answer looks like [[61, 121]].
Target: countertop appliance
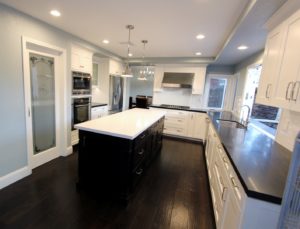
[[175, 107], [81, 110], [290, 209], [81, 83]]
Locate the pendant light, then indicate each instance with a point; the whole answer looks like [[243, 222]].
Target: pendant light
[[127, 72], [142, 75]]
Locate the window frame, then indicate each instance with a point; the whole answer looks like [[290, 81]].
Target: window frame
[[207, 87]]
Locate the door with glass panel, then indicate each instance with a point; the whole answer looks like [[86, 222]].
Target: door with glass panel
[[42, 108]]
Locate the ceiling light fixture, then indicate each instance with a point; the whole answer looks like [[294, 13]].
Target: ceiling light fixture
[[198, 53], [55, 13], [127, 72], [105, 41], [200, 36], [242, 47], [145, 72]]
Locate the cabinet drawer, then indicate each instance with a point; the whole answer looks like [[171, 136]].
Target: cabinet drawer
[[174, 130], [175, 121]]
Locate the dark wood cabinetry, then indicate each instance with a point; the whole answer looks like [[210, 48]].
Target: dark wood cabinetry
[[115, 165]]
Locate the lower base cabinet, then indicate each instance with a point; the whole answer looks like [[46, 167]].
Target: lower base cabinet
[[233, 209], [113, 165], [185, 124]]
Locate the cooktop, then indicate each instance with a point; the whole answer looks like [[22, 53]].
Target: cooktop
[[175, 106]]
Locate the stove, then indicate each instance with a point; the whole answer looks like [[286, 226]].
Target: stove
[[175, 107]]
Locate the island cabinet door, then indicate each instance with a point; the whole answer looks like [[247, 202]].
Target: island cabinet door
[[104, 162]]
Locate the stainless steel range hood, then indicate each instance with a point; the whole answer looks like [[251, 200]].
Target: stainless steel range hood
[[178, 80]]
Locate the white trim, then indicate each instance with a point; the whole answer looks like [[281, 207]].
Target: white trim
[[59, 55], [68, 152], [14, 176]]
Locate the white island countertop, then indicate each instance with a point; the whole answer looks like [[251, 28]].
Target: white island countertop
[[127, 124]]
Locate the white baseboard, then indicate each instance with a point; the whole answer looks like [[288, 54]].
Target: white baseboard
[[14, 176], [69, 151]]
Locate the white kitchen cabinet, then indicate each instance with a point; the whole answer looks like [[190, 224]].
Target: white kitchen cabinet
[[198, 124], [288, 83], [176, 122], [98, 112], [199, 81], [271, 66], [233, 209], [280, 80], [185, 124], [115, 67], [158, 77], [81, 60]]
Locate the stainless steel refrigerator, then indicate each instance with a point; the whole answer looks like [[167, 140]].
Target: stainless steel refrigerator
[[116, 93]]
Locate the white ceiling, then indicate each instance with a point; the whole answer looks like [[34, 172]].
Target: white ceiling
[[170, 26]]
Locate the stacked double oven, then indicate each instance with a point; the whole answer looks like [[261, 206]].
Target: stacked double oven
[[81, 97]]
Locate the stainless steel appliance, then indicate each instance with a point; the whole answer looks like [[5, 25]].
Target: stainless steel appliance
[[81, 83], [290, 206], [81, 110], [116, 93]]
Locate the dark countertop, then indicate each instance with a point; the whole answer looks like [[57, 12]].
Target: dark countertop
[[260, 162], [184, 109], [98, 104]]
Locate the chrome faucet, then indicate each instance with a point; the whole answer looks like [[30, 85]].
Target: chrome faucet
[[245, 122]]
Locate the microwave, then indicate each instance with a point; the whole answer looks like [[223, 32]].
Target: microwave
[[82, 83]]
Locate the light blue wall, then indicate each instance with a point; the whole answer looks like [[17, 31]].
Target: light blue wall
[[14, 25]]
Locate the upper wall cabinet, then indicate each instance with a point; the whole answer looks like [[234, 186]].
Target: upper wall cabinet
[[115, 67], [271, 66], [199, 81], [81, 59], [280, 81]]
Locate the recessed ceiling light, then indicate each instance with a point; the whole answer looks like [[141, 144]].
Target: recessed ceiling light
[[129, 54], [200, 36], [55, 13], [242, 47], [105, 41], [198, 53]]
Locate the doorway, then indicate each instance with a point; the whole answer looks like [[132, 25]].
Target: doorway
[[43, 87]]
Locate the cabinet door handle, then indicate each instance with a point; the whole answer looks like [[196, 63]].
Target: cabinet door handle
[[287, 91], [139, 172], [179, 120], [143, 136], [233, 182], [267, 91], [223, 193], [294, 98], [141, 152]]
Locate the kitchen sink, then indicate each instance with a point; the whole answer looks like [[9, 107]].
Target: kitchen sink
[[231, 123]]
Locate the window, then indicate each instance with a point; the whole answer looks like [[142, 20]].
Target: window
[[216, 93], [95, 75]]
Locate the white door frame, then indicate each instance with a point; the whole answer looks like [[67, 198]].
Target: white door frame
[[59, 55]]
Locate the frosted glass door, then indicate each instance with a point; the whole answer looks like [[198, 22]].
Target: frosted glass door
[[42, 102]]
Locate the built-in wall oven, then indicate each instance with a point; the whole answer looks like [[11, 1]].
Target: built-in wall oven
[[81, 110], [81, 83]]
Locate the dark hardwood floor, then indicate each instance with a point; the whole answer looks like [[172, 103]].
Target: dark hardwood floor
[[173, 193]]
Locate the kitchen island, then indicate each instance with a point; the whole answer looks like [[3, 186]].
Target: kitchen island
[[115, 150]]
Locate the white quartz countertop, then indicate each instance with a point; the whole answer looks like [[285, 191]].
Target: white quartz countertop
[[127, 124]]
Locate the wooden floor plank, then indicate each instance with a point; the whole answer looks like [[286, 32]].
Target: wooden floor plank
[[173, 194]]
